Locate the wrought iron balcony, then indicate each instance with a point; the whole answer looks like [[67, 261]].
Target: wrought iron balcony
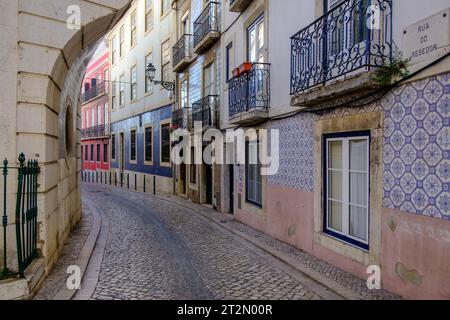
[[95, 132], [341, 42], [182, 52], [180, 118], [205, 111], [239, 5], [249, 95], [94, 92], [207, 27]]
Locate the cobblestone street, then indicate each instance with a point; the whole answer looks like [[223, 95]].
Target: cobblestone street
[[154, 248]]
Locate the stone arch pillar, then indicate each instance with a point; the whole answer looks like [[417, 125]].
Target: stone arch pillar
[[43, 61]]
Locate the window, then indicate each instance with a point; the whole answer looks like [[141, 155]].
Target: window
[[148, 83], [92, 117], [165, 6], [208, 81], [133, 145], [98, 153], [105, 75], [113, 94], [184, 103], [148, 144], [229, 60], [165, 61], [133, 29], [253, 173], [106, 121], [346, 184], [193, 168], [255, 41], [185, 24], [86, 153], [122, 90], [165, 142], [113, 146], [122, 41], [113, 50], [99, 115], [105, 152], [133, 88], [92, 152], [148, 15]]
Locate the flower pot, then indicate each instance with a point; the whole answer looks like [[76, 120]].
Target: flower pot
[[245, 67], [236, 72]]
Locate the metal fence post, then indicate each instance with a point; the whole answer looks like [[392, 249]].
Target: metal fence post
[[5, 270], [154, 185], [144, 183], [135, 182]]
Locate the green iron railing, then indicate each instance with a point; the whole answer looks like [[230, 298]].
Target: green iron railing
[[25, 215]]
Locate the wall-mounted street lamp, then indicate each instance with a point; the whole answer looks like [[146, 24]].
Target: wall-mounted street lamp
[[150, 72]]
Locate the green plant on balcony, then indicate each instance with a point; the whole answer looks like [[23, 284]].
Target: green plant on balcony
[[393, 70]]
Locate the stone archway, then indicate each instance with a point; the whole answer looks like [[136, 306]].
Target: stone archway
[[42, 62]]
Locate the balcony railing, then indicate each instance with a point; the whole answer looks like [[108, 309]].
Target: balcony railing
[[94, 92], [239, 5], [179, 118], [208, 23], [250, 91], [182, 52], [205, 111], [95, 132], [341, 42]]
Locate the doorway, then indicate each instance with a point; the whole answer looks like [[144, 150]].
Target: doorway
[[208, 172], [231, 177], [183, 179], [122, 152]]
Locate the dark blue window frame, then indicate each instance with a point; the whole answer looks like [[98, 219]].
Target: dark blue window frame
[[228, 51], [325, 229]]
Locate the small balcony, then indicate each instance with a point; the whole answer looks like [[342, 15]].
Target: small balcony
[[335, 56], [207, 28], [239, 5], [205, 111], [94, 92], [180, 118], [182, 53], [95, 132], [249, 95]]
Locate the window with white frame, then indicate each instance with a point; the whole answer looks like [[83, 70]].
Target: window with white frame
[[256, 41], [148, 83], [165, 61], [122, 90], [133, 88], [148, 15], [165, 6], [122, 41], [253, 179], [346, 184], [113, 50], [99, 115], [133, 29], [113, 94]]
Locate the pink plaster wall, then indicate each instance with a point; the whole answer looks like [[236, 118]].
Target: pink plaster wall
[[420, 243]]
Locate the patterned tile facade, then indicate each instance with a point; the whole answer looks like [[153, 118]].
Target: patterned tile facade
[[296, 152], [416, 147]]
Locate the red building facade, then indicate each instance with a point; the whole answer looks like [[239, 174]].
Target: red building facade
[[95, 114]]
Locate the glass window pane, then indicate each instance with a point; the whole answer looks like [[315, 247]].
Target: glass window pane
[[358, 155], [358, 222], [335, 154], [358, 188], [335, 215], [335, 185]]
